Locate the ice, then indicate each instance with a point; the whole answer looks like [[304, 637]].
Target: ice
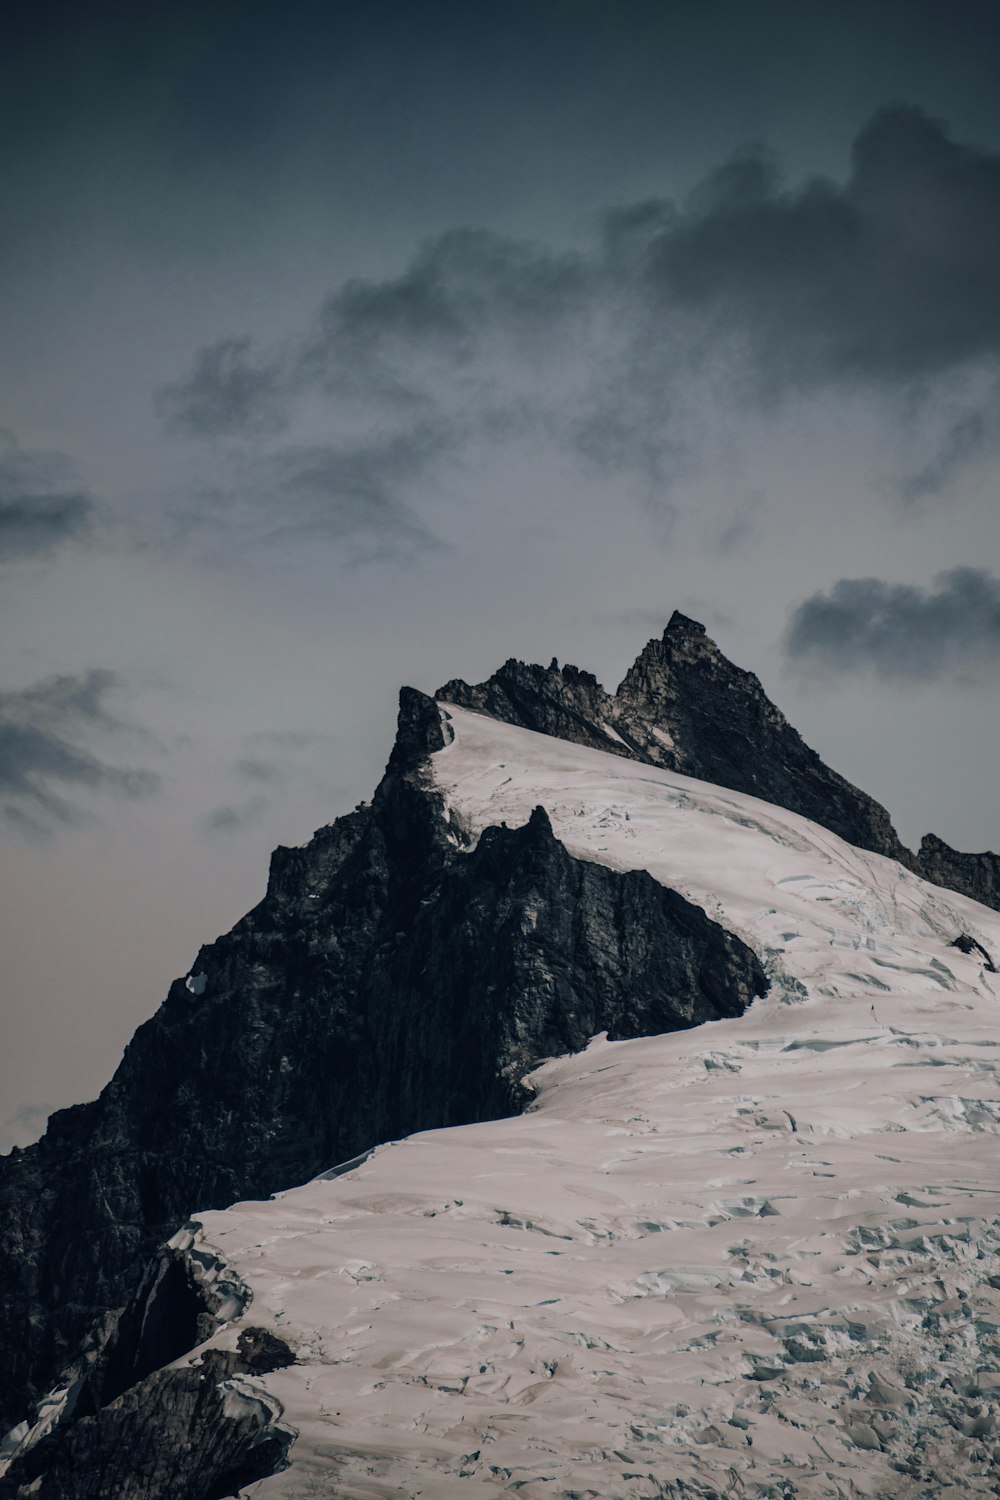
[[757, 1258]]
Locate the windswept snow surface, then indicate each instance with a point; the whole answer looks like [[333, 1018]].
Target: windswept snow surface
[[757, 1258]]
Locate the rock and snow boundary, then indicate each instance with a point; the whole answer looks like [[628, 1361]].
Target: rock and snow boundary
[[757, 1258]]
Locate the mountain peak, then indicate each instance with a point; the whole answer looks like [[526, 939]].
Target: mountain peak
[[681, 626], [680, 621], [685, 706], [490, 907]]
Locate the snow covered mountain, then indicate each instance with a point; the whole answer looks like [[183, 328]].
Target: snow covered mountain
[[756, 1256], [685, 706]]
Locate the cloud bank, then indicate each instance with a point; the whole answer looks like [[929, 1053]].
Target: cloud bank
[[893, 276], [624, 353], [898, 630]]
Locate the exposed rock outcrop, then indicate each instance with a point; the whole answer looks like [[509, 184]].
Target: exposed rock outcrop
[[194, 1432], [685, 706], [975, 875], [966, 943], [133, 1419], [390, 981], [393, 979], [561, 701], [725, 729]]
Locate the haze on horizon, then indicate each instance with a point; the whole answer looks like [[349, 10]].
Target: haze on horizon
[[343, 347]]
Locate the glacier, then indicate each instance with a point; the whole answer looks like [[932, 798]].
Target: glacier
[[756, 1258]]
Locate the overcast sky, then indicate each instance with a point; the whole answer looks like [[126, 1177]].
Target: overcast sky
[[349, 345]]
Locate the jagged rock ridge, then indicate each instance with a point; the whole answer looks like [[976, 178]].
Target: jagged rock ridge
[[975, 875], [684, 706], [137, 1426], [740, 1259], [390, 981]]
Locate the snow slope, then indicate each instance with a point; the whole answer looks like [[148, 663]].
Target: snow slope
[[757, 1258]]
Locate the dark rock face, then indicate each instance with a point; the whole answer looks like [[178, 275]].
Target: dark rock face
[[726, 730], [965, 943], [132, 1428], [561, 701], [975, 875], [684, 706], [183, 1296], [388, 982], [178, 1433]]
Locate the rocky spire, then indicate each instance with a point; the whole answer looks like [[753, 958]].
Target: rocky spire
[[684, 706]]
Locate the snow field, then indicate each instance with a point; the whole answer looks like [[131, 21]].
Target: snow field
[[758, 1258]]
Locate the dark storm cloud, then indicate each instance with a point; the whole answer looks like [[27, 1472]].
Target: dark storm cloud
[[234, 819], [465, 294], [747, 293], [41, 732], [40, 506], [898, 630], [893, 276], [226, 394]]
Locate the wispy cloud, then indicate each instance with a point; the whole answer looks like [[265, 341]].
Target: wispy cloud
[[45, 762], [285, 741], [967, 434], [347, 493], [235, 817], [275, 761], [625, 352], [900, 630], [254, 768], [42, 504], [227, 393], [467, 294]]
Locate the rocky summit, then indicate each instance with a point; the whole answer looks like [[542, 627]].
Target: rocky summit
[[684, 706], [513, 890]]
